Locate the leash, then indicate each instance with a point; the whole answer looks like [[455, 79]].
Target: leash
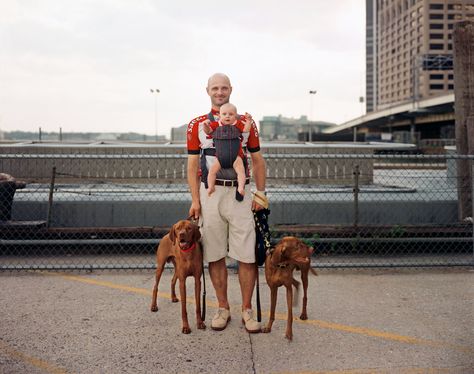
[[259, 307], [263, 231], [203, 309]]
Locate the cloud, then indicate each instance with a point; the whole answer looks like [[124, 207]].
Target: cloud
[[89, 64]]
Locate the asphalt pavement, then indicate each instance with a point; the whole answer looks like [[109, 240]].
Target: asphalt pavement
[[377, 321]]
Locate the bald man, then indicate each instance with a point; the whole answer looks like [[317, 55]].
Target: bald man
[[227, 225]]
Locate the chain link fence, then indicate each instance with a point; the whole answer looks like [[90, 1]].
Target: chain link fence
[[90, 209]]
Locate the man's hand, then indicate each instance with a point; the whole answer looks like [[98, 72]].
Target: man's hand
[[247, 122], [259, 201], [195, 210], [256, 206]]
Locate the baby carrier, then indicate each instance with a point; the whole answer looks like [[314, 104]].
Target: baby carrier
[[227, 142]]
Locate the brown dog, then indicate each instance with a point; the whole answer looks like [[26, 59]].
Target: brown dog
[[289, 254], [181, 247]]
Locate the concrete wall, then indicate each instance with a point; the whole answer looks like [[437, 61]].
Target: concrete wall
[[165, 213], [167, 163]]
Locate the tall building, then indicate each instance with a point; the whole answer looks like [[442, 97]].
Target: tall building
[[409, 49]]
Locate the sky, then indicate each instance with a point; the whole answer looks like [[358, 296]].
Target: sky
[[89, 65]]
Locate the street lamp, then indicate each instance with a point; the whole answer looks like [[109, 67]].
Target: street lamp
[[311, 95], [155, 93]]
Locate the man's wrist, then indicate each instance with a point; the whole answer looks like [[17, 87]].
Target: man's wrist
[[260, 198]]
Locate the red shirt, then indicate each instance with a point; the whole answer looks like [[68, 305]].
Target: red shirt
[[197, 139]]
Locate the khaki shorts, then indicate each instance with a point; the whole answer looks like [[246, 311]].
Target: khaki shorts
[[226, 223]]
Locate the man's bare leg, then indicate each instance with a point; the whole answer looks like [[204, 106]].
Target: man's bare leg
[[218, 274], [247, 277]]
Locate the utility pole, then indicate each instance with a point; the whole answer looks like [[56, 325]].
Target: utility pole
[[311, 93], [155, 93], [463, 38]]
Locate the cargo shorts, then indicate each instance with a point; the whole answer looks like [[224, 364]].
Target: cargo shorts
[[227, 225]]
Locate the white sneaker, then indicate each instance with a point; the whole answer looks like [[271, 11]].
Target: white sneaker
[[221, 319], [251, 325]]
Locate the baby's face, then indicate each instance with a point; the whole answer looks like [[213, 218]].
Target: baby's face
[[227, 114]]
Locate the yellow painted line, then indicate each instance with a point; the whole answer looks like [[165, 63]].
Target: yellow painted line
[[281, 316], [383, 371], [121, 287], [376, 333], [44, 365]]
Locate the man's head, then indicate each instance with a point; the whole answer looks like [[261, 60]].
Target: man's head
[[219, 89], [228, 114]]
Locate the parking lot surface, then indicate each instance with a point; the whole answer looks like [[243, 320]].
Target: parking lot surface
[[377, 321]]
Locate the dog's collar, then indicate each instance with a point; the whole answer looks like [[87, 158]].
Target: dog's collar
[[282, 266], [188, 249]]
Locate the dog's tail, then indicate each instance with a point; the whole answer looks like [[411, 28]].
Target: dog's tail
[[296, 284]]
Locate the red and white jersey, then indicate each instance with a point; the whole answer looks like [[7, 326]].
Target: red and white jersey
[[197, 139]]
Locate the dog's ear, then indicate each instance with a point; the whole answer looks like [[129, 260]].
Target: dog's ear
[[172, 234], [277, 253], [196, 233], [304, 248]]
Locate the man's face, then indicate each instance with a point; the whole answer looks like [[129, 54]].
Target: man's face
[[227, 114], [219, 90]]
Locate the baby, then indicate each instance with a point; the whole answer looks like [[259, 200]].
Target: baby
[[227, 140]]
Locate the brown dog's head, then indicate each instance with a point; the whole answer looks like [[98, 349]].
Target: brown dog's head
[[291, 250], [185, 233]]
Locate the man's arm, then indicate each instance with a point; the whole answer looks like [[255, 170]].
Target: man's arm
[[194, 183], [259, 172]]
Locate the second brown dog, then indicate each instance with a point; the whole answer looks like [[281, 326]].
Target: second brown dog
[[289, 254], [181, 246]]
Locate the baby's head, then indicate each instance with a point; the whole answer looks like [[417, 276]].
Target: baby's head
[[228, 114]]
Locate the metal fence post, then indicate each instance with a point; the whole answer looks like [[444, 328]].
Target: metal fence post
[[356, 195], [50, 200], [472, 207]]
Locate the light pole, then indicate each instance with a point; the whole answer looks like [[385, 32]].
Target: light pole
[[311, 95], [155, 93]]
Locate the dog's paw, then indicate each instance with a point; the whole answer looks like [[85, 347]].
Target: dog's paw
[[304, 316], [186, 330], [201, 325], [174, 299], [289, 336], [154, 308], [266, 330]]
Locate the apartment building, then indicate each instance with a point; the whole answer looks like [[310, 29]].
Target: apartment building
[[409, 49]]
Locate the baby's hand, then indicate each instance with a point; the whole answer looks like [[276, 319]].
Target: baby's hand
[[247, 121], [206, 126]]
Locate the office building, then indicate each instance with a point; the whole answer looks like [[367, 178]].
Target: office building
[[409, 49], [283, 128]]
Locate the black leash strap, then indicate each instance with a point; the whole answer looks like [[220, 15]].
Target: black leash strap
[[203, 309], [262, 248], [259, 307]]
